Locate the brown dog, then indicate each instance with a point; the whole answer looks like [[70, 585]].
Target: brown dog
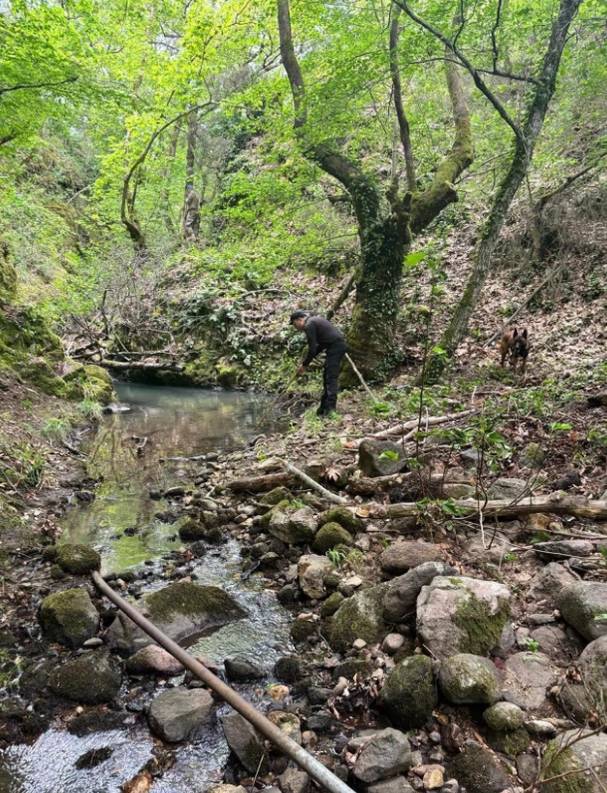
[[515, 345]]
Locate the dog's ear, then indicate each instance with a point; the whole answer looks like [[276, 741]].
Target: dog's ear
[[515, 333], [525, 333]]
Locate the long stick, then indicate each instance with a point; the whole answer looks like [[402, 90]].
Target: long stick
[[325, 778], [314, 484], [361, 378], [412, 424]]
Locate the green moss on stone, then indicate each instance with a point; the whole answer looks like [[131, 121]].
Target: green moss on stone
[[345, 517], [331, 604], [358, 617], [77, 559], [409, 694], [482, 628], [330, 535], [510, 743], [184, 597], [69, 617], [556, 762]]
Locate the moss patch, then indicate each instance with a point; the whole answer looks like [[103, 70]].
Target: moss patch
[[330, 535], [482, 629], [78, 559], [558, 761], [184, 597], [409, 694], [358, 617]]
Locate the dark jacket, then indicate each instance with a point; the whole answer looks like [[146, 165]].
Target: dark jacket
[[321, 335]]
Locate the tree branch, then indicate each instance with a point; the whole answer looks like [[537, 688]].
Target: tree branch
[[365, 199], [30, 86], [474, 73], [403, 123]]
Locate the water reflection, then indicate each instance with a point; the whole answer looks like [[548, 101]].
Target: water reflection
[[129, 455]]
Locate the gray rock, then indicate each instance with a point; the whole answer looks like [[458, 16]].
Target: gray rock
[[456, 614], [527, 678], [180, 610], [409, 694], [508, 489], [293, 780], [153, 660], [405, 554], [358, 617], [562, 646], [592, 664], [491, 548], [392, 643], [381, 458], [402, 592], [91, 679], [467, 679], [311, 572], [584, 606], [577, 701], [386, 754], [563, 549], [241, 668], [174, 714], [566, 759], [397, 784], [293, 526], [504, 717], [526, 767], [541, 728], [69, 617], [223, 788], [245, 742], [549, 582], [479, 770]]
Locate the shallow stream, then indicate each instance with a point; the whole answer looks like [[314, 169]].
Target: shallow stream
[[123, 523]]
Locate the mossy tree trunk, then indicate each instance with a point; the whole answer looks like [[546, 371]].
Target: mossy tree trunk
[[385, 223]]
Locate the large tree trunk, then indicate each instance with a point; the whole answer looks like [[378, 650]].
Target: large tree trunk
[[523, 152]]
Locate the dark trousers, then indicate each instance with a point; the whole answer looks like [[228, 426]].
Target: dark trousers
[[334, 357]]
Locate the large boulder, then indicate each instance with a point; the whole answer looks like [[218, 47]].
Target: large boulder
[[456, 614], [91, 679], [245, 742], [467, 679], [504, 717], [402, 592], [405, 554], [592, 664], [174, 714], [563, 549], [507, 489], [479, 770], [358, 617], [180, 610], [292, 524], [384, 755], [409, 694], [69, 617], [77, 559], [311, 573], [528, 676], [330, 535], [583, 605], [567, 761], [381, 458]]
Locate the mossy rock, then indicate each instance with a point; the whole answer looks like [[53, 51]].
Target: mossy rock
[[227, 373], [90, 382], [483, 629], [509, 743], [192, 529], [302, 630], [345, 517], [69, 617], [77, 559], [182, 610], [331, 604], [40, 373], [330, 535], [91, 678], [479, 770], [358, 617], [566, 759], [467, 679], [409, 694], [504, 717], [8, 274], [276, 496]]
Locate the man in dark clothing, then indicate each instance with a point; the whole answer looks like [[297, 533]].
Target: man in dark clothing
[[322, 336]]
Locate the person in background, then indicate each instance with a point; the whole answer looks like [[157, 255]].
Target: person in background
[[322, 336], [191, 213]]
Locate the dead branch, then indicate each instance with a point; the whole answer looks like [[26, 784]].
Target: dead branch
[[405, 426], [313, 483]]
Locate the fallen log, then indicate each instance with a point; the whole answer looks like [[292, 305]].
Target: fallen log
[[412, 482], [557, 503], [169, 366], [412, 424], [261, 484]]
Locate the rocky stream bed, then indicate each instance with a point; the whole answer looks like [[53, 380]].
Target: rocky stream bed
[[404, 654]]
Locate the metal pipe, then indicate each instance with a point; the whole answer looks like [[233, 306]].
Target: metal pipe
[[314, 767]]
